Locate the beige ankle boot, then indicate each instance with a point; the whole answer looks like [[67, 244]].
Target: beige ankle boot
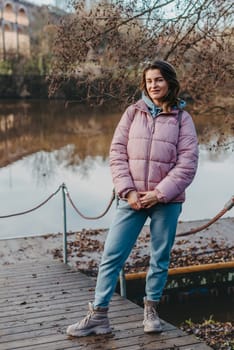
[[151, 321], [96, 322]]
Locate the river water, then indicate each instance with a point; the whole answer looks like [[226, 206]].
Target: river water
[[45, 143]]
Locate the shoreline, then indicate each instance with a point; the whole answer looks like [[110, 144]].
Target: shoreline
[[84, 247]]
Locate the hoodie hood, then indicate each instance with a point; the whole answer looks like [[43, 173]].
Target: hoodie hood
[[155, 110]]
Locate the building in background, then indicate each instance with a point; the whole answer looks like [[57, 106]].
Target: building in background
[[20, 21], [91, 3], [14, 29]]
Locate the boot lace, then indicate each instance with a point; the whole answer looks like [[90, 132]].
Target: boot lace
[[86, 319], [151, 314]]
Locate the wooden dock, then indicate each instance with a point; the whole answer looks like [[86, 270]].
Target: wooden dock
[[39, 299]]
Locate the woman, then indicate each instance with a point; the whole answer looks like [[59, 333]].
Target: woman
[[153, 158]]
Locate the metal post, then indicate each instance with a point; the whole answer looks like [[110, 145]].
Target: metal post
[[64, 225], [122, 282]]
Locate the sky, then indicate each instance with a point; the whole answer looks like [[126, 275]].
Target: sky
[[45, 2], [60, 3], [42, 2], [169, 9]]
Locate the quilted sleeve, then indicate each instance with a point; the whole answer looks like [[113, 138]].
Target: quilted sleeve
[[119, 165]]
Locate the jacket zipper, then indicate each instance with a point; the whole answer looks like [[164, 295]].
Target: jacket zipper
[[148, 158]]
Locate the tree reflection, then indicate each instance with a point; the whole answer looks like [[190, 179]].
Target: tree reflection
[[43, 165], [50, 126], [77, 136]]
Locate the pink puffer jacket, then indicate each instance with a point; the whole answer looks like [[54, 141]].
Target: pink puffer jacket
[[158, 154]]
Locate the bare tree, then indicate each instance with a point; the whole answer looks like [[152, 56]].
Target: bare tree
[[99, 53]]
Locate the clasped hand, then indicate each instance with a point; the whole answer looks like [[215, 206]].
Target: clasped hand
[[140, 200]]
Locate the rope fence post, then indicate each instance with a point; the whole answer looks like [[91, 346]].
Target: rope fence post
[[64, 224], [122, 281]]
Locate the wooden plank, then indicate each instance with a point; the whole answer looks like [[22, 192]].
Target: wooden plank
[[149, 342], [116, 318], [7, 331], [46, 312], [26, 268], [140, 340], [30, 289], [19, 281], [128, 333], [33, 287], [37, 310], [54, 296], [51, 306], [24, 275]]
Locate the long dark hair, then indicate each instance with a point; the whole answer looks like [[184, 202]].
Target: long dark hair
[[169, 74]]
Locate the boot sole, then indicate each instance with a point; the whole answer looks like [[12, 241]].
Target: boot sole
[[153, 330], [94, 331]]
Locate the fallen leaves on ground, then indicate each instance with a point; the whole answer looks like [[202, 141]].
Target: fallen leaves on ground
[[85, 248], [218, 335]]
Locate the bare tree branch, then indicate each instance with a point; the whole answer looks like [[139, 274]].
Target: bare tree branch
[[99, 54]]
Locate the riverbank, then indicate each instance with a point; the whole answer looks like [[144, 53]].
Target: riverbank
[[215, 244]]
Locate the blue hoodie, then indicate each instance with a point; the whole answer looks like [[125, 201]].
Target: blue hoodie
[[154, 109]]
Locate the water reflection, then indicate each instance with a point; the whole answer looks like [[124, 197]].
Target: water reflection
[[43, 144], [27, 128]]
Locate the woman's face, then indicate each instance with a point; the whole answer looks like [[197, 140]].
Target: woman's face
[[156, 85]]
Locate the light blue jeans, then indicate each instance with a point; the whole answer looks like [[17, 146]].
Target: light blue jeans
[[121, 238]]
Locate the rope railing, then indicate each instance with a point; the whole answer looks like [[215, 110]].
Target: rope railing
[[66, 194], [32, 209], [64, 188], [90, 217], [226, 207]]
